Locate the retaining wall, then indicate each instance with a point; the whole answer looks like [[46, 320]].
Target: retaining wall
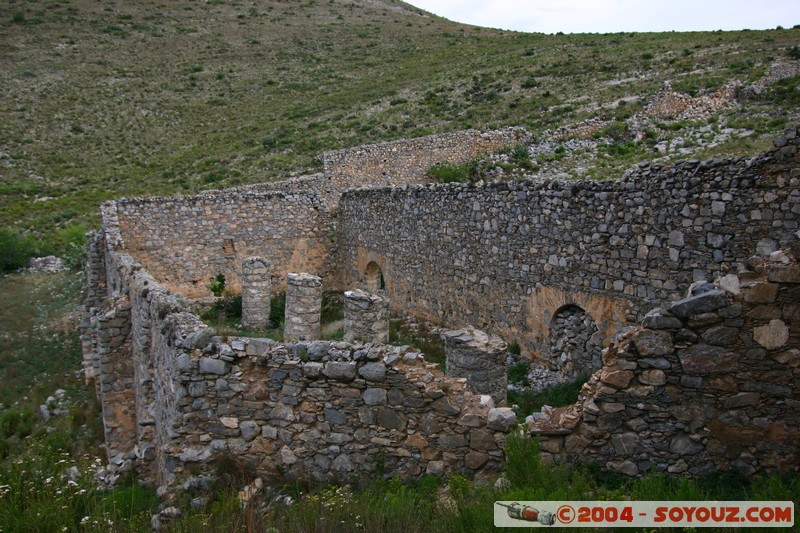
[[406, 161]]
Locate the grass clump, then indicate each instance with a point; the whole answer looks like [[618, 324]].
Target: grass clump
[[452, 172], [561, 395], [418, 336], [15, 250]]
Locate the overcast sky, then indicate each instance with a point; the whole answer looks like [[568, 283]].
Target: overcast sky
[[605, 16]]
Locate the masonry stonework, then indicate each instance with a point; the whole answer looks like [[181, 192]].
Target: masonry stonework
[[303, 307], [707, 383], [507, 256], [366, 317], [256, 291]]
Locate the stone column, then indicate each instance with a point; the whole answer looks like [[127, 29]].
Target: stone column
[[472, 354], [303, 307], [116, 384], [366, 317], [256, 288]]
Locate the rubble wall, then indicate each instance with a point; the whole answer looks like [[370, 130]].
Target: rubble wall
[[184, 241], [406, 161], [709, 383], [506, 257], [314, 410]]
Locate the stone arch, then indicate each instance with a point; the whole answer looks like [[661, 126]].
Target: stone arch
[[576, 343], [373, 278]]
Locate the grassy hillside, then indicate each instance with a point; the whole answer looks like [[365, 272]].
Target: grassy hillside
[[105, 99]]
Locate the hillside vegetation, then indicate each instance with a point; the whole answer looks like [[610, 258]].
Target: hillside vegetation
[[109, 99]]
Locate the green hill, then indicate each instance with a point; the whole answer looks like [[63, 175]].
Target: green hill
[[108, 99]]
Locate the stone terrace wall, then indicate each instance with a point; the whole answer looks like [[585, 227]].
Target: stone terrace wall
[[710, 384], [184, 241], [506, 257], [406, 161]]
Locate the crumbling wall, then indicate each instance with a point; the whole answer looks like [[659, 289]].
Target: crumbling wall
[[316, 410], [327, 410], [506, 257], [706, 384], [406, 161], [184, 241]]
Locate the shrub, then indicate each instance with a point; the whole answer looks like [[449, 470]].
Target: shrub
[[15, 250], [217, 285], [452, 172], [277, 309], [518, 373], [521, 154]]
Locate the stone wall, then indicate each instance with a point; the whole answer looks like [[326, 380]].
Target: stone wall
[[506, 257], [406, 161], [176, 397], [709, 383], [184, 241]]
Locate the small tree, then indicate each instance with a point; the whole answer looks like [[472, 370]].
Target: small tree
[[217, 285]]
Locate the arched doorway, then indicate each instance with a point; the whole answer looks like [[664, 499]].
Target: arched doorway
[[373, 278], [575, 343]]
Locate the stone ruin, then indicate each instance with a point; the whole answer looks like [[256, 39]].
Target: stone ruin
[[707, 383], [558, 268]]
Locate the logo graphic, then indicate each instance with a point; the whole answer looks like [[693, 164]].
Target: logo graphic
[[529, 514]]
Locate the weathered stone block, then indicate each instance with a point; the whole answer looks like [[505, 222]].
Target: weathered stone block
[[250, 430], [443, 406], [373, 371], [704, 359], [760, 292], [703, 303], [452, 441], [626, 444], [501, 419], [213, 366], [683, 445], [720, 335], [390, 418], [649, 342], [480, 439], [784, 274], [626, 467], [658, 319], [475, 460], [375, 397], [616, 378], [340, 370], [335, 416], [773, 335]]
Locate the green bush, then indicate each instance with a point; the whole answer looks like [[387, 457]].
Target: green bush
[[277, 309], [518, 373], [452, 172], [15, 250], [16, 422], [521, 154], [560, 395], [217, 285]]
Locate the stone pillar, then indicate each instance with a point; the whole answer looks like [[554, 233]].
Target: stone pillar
[[303, 307], [96, 292], [256, 288], [366, 317], [117, 392], [474, 355]]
